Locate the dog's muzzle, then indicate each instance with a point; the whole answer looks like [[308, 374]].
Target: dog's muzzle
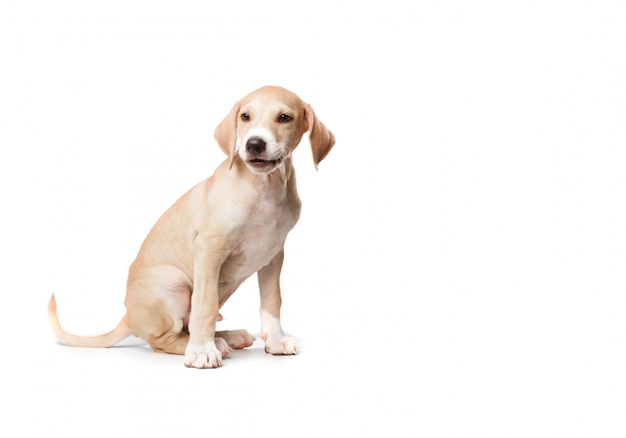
[[256, 156]]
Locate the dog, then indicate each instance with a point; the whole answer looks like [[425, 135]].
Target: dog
[[228, 227]]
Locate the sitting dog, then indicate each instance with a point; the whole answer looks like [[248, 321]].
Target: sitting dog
[[219, 233]]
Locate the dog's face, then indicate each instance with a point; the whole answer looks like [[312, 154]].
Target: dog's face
[[270, 124], [266, 126]]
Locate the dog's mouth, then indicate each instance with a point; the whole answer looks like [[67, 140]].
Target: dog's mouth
[[262, 165]]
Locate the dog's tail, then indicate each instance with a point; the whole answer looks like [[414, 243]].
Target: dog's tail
[[121, 332]]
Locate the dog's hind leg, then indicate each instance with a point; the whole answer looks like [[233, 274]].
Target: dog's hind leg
[[158, 305]]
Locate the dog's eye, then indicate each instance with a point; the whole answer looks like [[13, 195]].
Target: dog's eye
[[245, 117], [284, 118]]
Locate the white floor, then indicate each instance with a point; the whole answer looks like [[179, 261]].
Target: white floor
[[407, 378]]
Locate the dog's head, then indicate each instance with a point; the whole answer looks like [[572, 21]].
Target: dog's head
[[264, 128]]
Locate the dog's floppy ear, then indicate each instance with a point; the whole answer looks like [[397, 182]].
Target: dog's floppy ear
[[321, 139], [226, 133]]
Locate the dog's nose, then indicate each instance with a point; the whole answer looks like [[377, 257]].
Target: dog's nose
[[255, 145]]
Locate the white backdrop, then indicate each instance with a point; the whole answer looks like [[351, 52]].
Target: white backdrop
[[463, 244]]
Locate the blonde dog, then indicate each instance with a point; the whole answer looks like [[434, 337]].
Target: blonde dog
[[219, 233]]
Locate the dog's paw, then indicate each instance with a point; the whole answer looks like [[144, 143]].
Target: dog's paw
[[280, 345], [207, 355], [237, 338]]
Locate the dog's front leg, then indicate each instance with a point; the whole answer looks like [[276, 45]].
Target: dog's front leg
[[203, 349], [271, 330]]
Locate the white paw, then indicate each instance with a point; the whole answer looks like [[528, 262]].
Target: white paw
[[208, 355], [280, 345], [237, 338]]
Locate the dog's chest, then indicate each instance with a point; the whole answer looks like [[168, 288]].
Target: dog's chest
[[261, 237]]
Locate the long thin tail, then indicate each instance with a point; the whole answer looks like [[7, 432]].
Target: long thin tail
[[121, 332]]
